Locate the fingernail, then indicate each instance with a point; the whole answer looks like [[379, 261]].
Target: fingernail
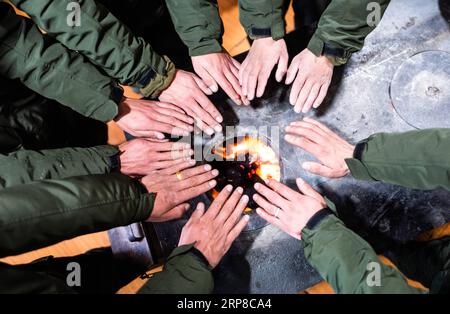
[[246, 217], [209, 131], [255, 197], [213, 88], [244, 199], [267, 181], [160, 136], [306, 166], [240, 190], [218, 128], [190, 120], [257, 186], [258, 210], [229, 188], [297, 110], [187, 207], [191, 152], [212, 183], [192, 162], [300, 181], [238, 102], [215, 172], [219, 119], [208, 167]]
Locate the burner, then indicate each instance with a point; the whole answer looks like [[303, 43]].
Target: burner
[[244, 161]]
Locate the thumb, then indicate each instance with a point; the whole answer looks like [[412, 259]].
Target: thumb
[[198, 213], [320, 170], [308, 190], [175, 213], [282, 66]]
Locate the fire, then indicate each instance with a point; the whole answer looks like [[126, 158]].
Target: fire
[[263, 158]]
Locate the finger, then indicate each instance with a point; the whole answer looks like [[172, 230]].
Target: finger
[[236, 231], [322, 170], [172, 121], [195, 191], [303, 143], [251, 83], [188, 173], [175, 154], [296, 88], [229, 206], [181, 165], [266, 205], [311, 98], [282, 66], [218, 203], [165, 105], [181, 116], [322, 127], [175, 213], [321, 96], [309, 133], [282, 189], [236, 65], [160, 165], [308, 190], [147, 134], [242, 71], [195, 180], [268, 217], [208, 80], [203, 120], [203, 86], [271, 195], [245, 77], [263, 77], [237, 212], [292, 71], [207, 105], [233, 90], [304, 93], [166, 146]]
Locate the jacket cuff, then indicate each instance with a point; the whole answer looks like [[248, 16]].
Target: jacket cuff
[[317, 218], [338, 56], [204, 48], [323, 224], [356, 166], [276, 31], [152, 83]]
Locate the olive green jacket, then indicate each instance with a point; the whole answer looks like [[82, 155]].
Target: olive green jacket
[[341, 31], [416, 159], [62, 64], [199, 25], [42, 213], [344, 26]]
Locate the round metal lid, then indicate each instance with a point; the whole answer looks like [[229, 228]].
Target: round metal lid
[[420, 90]]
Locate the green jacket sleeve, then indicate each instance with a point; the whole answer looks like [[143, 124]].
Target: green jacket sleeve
[[103, 39], [25, 166], [39, 214], [183, 273], [348, 263], [198, 24], [262, 18], [415, 159], [51, 70], [344, 26]]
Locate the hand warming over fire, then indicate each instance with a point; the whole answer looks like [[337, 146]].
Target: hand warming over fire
[[141, 157], [174, 190], [312, 79], [285, 208], [213, 232], [328, 147], [145, 118]]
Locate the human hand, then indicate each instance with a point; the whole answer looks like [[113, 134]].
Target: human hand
[[141, 157], [318, 140], [172, 191], [220, 69], [213, 232], [145, 118], [285, 208], [187, 92], [312, 79], [264, 54]]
